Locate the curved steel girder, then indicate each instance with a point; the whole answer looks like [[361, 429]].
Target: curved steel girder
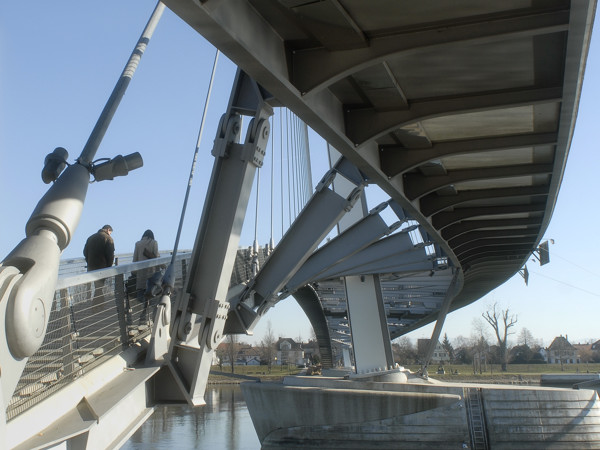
[[508, 256], [397, 245], [443, 219], [478, 280], [493, 269], [348, 34], [499, 243], [490, 250], [433, 203], [308, 300], [317, 68], [417, 185], [232, 25], [478, 275], [396, 159], [413, 268], [490, 234], [367, 124], [460, 228], [493, 266], [359, 236]]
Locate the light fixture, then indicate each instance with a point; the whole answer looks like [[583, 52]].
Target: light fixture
[[54, 164], [117, 167]]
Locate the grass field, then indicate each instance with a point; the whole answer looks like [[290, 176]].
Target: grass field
[[514, 373], [262, 372]]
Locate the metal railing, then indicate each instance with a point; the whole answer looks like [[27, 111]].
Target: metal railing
[[95, 315]]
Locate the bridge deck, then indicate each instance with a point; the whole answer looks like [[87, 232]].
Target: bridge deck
[[463, 115]]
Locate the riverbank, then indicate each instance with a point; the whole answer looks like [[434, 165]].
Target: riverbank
[[249, 373], [517, 374]]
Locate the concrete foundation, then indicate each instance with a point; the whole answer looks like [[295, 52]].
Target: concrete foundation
[[334, 413]]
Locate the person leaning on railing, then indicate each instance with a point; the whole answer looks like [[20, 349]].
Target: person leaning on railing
[[99, 253], [145, 248]]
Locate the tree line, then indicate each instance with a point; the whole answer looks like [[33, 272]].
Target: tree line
[[479, 350]]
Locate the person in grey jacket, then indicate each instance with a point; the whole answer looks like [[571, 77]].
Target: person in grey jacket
[[145, 248]]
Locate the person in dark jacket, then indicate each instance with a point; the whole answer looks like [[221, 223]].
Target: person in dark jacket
[[99, 252]]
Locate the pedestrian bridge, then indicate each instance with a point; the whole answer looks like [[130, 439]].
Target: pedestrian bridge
[[463, 116], [83, 333]]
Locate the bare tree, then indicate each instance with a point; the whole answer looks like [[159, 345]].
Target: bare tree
[[501, 322], [404, 351], [526, 338], [479, 330], [267, 345], [233, 348], [480, 350], [221, 354]]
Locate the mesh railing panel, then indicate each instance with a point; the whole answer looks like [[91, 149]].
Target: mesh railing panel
[[89, 322], [93, 320]]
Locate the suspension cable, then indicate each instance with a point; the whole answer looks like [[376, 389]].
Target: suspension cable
[[195, 159], [287, 135], [281, 167], [296, 162], [256, 213], [300, 164], [309, 174], [272, 180]]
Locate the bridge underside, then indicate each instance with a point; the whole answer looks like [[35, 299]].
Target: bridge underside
[[463, 115]]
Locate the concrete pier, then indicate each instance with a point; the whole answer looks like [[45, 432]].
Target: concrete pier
[[334, 413]]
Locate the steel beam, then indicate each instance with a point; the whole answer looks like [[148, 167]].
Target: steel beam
[[366, 124], [202, 308], [460, 228], [433, 203], [490, 234], [445, 218], [396, 159], [316, 220], [391, 246], [317, 68], [352, 240], [418, 185], [441, 317]]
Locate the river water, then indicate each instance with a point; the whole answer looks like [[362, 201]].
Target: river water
[[224, 423]]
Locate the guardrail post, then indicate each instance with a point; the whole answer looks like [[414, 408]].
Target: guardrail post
[[121, 311], [70, 335]]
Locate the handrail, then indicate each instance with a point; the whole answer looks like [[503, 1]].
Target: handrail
[[95, 315], [88, 277]]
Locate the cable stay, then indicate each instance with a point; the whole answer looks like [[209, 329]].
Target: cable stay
[[161, 283]]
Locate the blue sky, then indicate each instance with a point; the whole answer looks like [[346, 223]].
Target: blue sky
[[59, 62]]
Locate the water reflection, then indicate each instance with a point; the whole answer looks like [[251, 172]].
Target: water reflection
[[224, 423]]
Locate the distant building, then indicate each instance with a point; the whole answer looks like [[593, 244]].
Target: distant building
[[581, 348], [246, 355], [253, 361], [440, 355], [289, 352], [562, 352]]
